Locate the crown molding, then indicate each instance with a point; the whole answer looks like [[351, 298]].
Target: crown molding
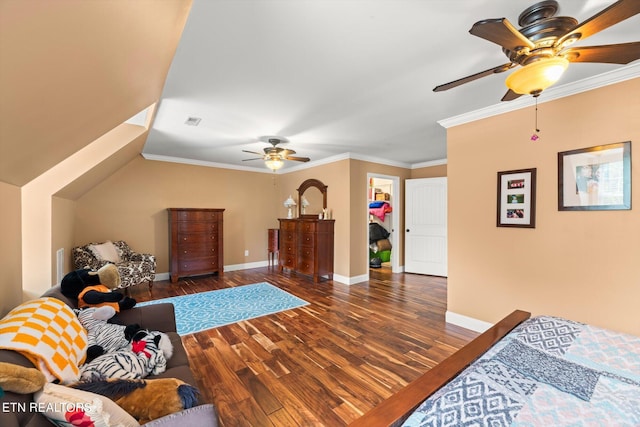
[[302, 166], [429, 164], [619, 75], [171, 159], [372, 159]]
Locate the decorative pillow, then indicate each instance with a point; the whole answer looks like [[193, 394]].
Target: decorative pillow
[[106, 252], [68, 407]]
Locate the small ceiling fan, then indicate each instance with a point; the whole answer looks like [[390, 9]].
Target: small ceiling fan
[[274, 156], [541, 46]]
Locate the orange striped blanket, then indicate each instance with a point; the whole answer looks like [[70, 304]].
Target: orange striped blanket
[[48, 333]]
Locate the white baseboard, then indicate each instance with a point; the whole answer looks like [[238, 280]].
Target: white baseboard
[[162, 276], [466, 322], [246, 266], [234, 267], [400, 269], [350, 280]]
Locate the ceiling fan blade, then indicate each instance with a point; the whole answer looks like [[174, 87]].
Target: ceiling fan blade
[[502, 32], [287, 151], [297, 159], [510, 96], [257, 158], [252, 152], [622, 53], [617, 12], [473, 77]]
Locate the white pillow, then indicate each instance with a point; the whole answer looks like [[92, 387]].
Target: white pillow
[[106, 251], [62, 405]]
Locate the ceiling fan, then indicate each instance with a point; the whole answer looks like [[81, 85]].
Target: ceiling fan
[[274, 156], [542, 43]]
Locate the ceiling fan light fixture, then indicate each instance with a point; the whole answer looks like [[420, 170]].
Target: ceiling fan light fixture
[[537, 76], [274, 164]]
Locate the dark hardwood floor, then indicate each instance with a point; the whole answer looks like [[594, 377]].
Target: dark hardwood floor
[[324, 364]]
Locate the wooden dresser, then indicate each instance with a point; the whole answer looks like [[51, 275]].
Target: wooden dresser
[[306, 246], [195, 242]]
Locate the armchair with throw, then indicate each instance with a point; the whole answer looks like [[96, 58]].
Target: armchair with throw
[[134, 267]]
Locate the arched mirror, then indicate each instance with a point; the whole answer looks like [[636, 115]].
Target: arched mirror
[[313, 194]]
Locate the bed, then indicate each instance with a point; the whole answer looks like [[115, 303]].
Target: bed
[[525, 371]]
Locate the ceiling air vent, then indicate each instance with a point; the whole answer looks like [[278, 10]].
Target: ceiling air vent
[[192, 121]]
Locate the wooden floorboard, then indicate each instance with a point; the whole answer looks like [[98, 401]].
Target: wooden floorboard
[[324, 364]]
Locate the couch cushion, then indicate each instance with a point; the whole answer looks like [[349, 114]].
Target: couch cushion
[[179, 357]]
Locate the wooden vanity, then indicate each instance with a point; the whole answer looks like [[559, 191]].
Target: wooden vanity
[[306, 242]]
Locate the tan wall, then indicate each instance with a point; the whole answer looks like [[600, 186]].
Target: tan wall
[[582, 265], [62, 232], [10, 248], [72, 71], [436, 171], [131, 205]]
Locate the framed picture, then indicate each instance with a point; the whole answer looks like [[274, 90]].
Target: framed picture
[[517, 198], [595, 178]]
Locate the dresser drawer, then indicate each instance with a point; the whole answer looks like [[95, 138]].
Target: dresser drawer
[[188, 215], [199, 264], [287, 248], [305, 264], [197, 250], [287, 260], [287, 237], [308, 227], [196, 238], [288, 225], [306, 253], [197, 227], [307, 239]]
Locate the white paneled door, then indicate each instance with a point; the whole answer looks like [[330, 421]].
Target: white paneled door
[[426, 226]]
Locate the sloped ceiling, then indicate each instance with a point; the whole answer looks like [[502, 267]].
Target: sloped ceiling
[[336, 77], [71, 70]]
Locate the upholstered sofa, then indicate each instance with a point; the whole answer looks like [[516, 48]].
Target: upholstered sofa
[[134, 267], [156, 317]]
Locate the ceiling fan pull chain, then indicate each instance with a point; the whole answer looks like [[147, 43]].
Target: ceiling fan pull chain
[[535, 135]]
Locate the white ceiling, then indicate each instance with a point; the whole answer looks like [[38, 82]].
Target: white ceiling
[[340, 76]]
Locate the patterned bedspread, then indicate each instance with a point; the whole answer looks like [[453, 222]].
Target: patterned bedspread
[[546, 372]]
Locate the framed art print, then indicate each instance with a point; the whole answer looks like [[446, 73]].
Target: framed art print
[[517, 198], [595, 178]]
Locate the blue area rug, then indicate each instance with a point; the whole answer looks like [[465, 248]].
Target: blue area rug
[[206, 310]]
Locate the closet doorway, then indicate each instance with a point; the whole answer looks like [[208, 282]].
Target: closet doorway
[[383, 219]]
